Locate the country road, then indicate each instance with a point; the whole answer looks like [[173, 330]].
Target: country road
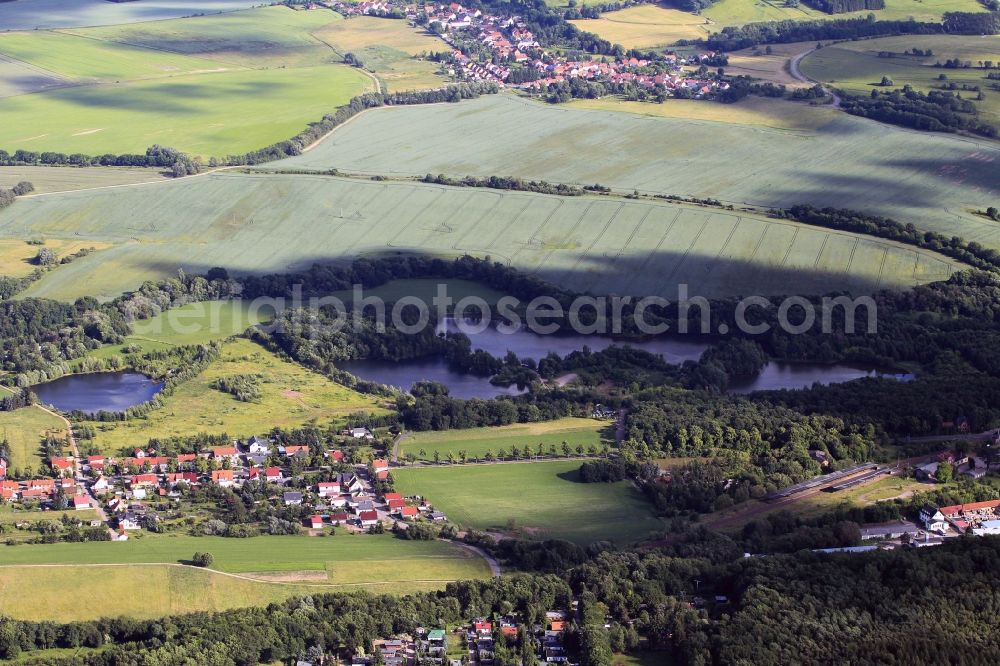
[[793, 69]]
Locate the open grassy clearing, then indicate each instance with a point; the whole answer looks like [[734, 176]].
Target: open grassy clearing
[[63, 179], [269, 569], [263, 37], [477, 441], [931, 180], [857, 68], [93, 61], [24, 429], [660, 25], [387, 48], [645, 26], [31, 14], [17, 258], [291, 396], [753, 112], [253, 223], [544, 500], [203, 114]]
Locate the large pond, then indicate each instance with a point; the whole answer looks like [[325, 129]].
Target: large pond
[[497, 342], [100, 391], [525, 344], [803, 375]]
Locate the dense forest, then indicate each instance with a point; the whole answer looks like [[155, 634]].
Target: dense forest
[[843, 6], [935, 111]]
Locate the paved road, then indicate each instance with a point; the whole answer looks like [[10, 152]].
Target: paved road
[[490, 560], [793, 68]]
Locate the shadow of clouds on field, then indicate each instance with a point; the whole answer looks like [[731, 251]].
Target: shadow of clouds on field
[[635, 276], [166, 97]]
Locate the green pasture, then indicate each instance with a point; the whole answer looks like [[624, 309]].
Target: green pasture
[[205, 114], [264, 37], [931, 180], [62, 179], [857, 68], [32, 15], [268, 569], [477, 441], [543, 499], [290, 396], [267, 223], [88, 60], [24, 430]]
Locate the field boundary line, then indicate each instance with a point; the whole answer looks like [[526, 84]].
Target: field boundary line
[[457, 245], [572, 231], [586, 253], [881, 266], [427, 206], [694, 241], [534, 233], [350, 248], [854, 249], [649, 257], [822, 249], [788, 250]]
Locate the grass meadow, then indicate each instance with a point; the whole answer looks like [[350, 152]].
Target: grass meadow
[[931, 180], [268, 568], [33, 14], [477, 441], [857, 68], [253, 223], [24, 430], [291, 396], [538, 499]]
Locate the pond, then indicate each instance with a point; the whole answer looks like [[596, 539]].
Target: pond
[[803, 375], [99, 391], [527, 344], [404, 374]]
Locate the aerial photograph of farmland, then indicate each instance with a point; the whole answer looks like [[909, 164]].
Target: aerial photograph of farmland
[[499, 332]]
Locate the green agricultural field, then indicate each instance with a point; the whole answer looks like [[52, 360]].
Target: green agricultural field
[[18, 78], [291, 396], [477, 441], [264, 37], [24, 430], [205, 114], [64, 179], [93, 61], [931, 180], [388, 47], [280, 222], [32, 14], [543, 499], [857, 68], [260, 570]]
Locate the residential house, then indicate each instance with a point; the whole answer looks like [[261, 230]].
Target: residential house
[[368, 518], [82, 502], [294, 451], [223, 478], [438, 516], [408, 512], [63, 466], [316, 522], [339, 517], [932, 519], [258, 447], [328, 488], [144, 481], [273, 474], [292, 498], [230, 453]]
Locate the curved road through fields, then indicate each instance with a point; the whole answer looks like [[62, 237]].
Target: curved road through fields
[[793, 69]]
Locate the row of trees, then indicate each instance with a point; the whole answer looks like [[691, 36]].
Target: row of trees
[[843, 6], [935, 111]]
